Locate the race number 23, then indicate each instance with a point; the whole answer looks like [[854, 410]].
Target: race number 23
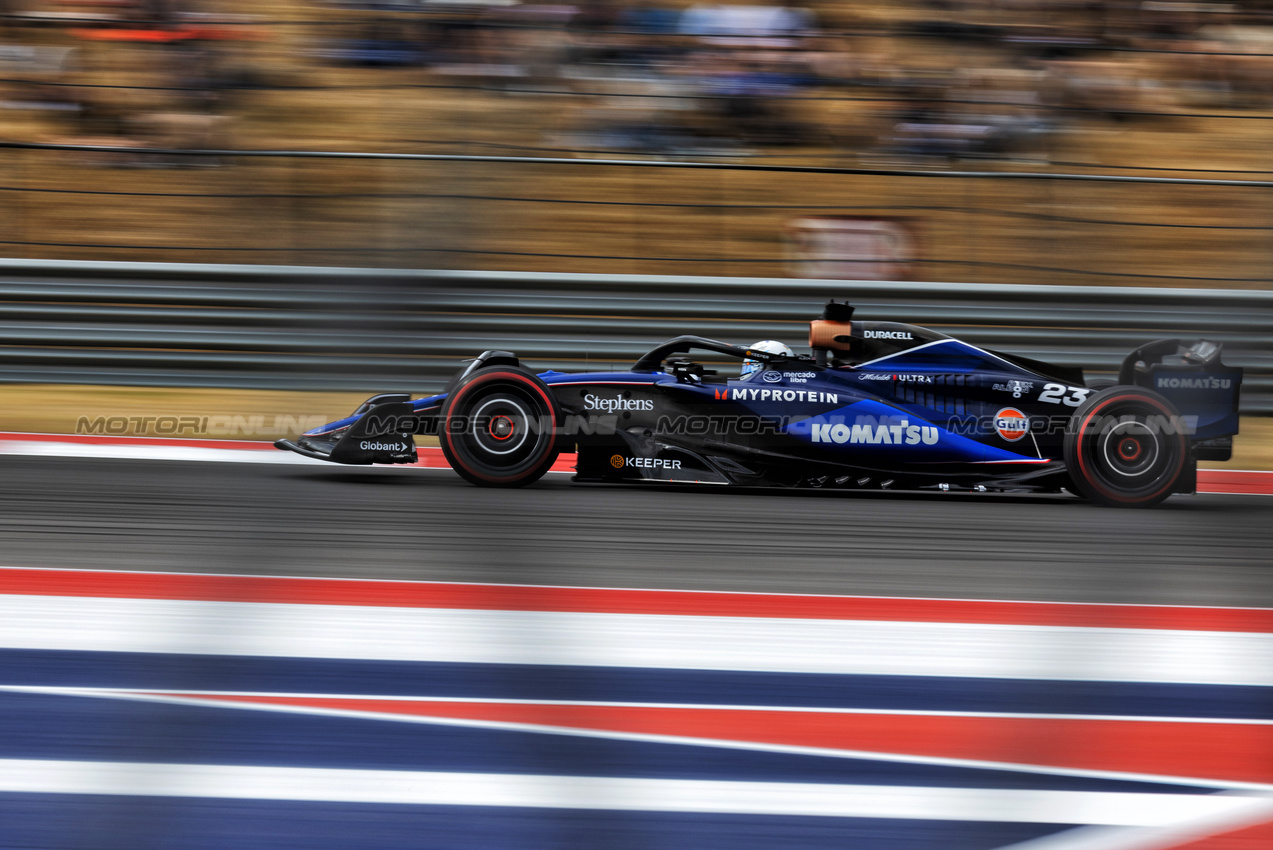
[[1061, 394]]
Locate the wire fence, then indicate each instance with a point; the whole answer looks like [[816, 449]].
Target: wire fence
[[629, 215]]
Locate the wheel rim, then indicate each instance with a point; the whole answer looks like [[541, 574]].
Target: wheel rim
[[1130, 449], [500, 425]]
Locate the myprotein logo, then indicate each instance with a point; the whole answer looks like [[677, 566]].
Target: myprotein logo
[[376, 446], [748, 394], [869, 431], [616, 405], [1192, 383], [1011, 424], [619, 462], [887, 335]]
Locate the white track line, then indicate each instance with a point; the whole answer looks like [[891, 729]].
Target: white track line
[[843, 647], [605, 793]]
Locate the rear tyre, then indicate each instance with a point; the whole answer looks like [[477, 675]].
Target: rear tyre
[[499, 428], [1126, 447]]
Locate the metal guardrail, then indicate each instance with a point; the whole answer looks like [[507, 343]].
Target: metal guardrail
[[275, 327]]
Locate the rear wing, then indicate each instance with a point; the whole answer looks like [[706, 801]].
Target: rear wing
[[1191, 375]]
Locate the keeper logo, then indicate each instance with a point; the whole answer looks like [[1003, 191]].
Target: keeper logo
[[619, 462]]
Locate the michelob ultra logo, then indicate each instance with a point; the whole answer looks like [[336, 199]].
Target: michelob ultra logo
[[870, 431]]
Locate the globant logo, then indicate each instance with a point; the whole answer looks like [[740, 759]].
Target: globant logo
[[369, 446], [615, 405], [868, 431]]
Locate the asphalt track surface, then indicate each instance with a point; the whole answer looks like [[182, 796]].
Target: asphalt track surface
[[389, 523]]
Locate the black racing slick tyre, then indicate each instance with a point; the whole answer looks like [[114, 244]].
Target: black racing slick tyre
[[1126, 447], [500, 428]]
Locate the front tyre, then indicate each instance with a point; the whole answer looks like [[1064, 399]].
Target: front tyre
[[499, 428], [1126, 447]]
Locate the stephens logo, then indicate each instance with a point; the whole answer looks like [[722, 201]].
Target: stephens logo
[[616, 461], [887, 335], [1012, 424], [771, 377], [615, 405]]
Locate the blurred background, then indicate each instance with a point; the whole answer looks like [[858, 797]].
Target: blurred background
[[848, 94]]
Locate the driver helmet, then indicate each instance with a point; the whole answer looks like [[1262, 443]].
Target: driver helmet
[[771, 346]]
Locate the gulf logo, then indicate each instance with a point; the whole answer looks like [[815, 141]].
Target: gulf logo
[[1012, 424]]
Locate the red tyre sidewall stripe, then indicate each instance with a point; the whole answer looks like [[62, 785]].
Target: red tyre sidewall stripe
[[482, 379], [1095, 485]]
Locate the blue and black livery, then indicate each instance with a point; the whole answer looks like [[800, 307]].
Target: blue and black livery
[[876, 405]]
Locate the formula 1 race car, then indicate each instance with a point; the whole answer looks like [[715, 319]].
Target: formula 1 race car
[[876, 405]]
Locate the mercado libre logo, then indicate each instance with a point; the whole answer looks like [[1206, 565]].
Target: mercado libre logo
[[616, 461], [1011, 424]]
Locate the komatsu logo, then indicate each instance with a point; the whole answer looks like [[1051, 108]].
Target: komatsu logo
[[1194, 383], [874, 433], [747, 394], [887, 335], [369, 446]]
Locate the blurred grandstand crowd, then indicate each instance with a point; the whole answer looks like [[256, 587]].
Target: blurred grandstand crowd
[[945, 78], [897, 90]]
